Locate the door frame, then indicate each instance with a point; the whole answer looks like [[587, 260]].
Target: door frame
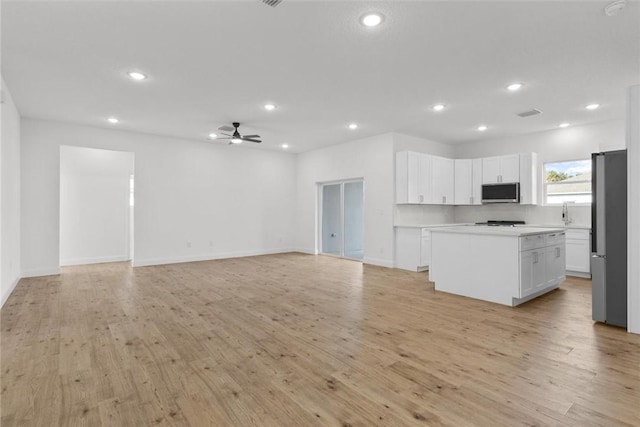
[[320, 186]]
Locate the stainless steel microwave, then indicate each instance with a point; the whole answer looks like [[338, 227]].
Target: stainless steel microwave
[[501, 193]]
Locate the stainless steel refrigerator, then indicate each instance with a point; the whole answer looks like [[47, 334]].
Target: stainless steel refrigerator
[[609, 237]]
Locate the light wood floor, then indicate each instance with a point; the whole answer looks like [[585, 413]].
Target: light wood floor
[[297, 340]]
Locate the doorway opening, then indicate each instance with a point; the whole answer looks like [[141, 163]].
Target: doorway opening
[[96, 205], [342, 219]]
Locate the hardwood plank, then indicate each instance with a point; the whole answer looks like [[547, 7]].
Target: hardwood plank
[[295, 339]]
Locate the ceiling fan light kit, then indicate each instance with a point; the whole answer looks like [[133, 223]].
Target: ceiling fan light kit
[[236, 137]]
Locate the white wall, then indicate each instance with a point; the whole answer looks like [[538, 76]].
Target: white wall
[[194, 200], [94, 205], [368, 158], [633, 215], [10, 196], [572, 143]]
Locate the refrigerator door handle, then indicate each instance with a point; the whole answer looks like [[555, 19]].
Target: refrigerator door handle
[[598, 288]]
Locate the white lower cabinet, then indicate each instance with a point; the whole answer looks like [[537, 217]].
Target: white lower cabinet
[[533, 272], [554, 264], [413, 248], [425, 249], [578, 254], [542, 262]]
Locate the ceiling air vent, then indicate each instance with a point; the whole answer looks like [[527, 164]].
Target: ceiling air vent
[[272, 3], [530, 113]]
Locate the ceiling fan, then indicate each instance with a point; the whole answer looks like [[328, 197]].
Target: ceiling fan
[[236, 138]]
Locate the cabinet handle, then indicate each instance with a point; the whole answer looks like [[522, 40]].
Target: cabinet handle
[[471, 200], [557, 252], [421, 198], [535, 257], [444, 199]]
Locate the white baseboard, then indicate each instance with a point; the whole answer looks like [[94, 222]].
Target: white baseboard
[[97, 260], [378, 261], [7, 293], [38, 272], [206, 257], [305, 251]]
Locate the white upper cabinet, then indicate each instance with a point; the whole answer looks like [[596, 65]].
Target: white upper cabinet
[[501, 169], [412, 178], [468, 182], [425, 179], [442, 180]]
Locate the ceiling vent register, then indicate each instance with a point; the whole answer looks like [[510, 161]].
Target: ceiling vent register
[[272, 3], [529, 113]]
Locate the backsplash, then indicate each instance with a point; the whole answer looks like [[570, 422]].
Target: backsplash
[[542, 215], [423, 214]]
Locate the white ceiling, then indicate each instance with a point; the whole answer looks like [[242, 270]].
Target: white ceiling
[[211, 63]]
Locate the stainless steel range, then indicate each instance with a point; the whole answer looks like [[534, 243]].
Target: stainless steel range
[[501, 223]]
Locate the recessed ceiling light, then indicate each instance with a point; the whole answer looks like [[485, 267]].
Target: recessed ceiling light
[[213, 136], [592, 106], [113, 120], [285, 145], [564, 125], [515, 87], [353, 126], [269, 107], [371, 20], [438, 107], [136, 75], [482, 128]]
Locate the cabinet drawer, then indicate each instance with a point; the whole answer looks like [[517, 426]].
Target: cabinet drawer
[[532, 242], [555, 238], [578, 234]]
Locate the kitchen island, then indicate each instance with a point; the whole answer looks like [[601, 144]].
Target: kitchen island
[[505, 265]]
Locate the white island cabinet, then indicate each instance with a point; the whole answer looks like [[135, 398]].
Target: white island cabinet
[[505, 265]]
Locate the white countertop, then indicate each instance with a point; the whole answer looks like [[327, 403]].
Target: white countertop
[[554, 226], [575, 226], [431, 225], [498, 231]]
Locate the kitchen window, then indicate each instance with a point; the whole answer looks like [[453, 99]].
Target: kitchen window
[[567, 182]]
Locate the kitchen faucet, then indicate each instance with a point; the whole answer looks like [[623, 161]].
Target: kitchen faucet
[[565, 214]]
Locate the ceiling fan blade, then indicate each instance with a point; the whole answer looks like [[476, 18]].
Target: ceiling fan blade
[[227, 128], [226, 134], [251, 140], [223, 137], [251, 136]]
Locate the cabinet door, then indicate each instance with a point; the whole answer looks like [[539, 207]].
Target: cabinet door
[[555, 259], [425, 249], [413, 177], [442, 180], [539, 270], [424, 178], [447, 181], [510, 168], [407, 250], [577, 255], [476, 183], [526, 273], [490, 170], [463, 182]]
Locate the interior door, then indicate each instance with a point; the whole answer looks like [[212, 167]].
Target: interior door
[[353, 219], [331, 219], [342, 227]]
